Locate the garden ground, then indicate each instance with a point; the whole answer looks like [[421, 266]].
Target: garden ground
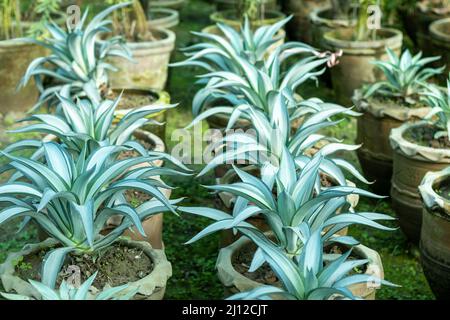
[[194, 275]]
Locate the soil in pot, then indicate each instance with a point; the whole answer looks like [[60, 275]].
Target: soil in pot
[[116, 265], [132, 99], [425, 136]]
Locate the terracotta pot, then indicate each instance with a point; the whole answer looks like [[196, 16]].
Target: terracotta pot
[[171, 4], [228, 17], [151, 287], [235, 282], [373, 130], [323, 21], [411, 163], [355, 68], [161, 97], [151, 61], [233, 4], [440, 43], [435, 236], [163, 18], [299, 28], [15, 56]]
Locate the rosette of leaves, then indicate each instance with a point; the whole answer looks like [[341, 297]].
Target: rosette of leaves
[[439, 101], [241, 68], [72, 196], [68, 292], [299, 208], [77, 63], [405, 76]]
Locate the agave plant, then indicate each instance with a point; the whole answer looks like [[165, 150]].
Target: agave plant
[[77, 62], [68, 292], [309, 277], [273, 135], [439, 100], [87, 122], [241, 68], [406, 76], [71, 197], [300, 207]]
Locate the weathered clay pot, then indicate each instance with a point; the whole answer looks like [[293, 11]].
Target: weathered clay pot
[[299, 28], [163, 18], [440, 41], [151, 61], [355, 68], [411, 163], [228, 17], [171, 4], [15, 56], [322, 21], [235, 282], [232, 4], [151, 287], [373, 130], [435, 236], [161, 97]]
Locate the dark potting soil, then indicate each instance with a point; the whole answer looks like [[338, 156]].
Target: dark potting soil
[[424, 136], [131, 99], [132, 153], [116, 265], [242, 260], [444, 191], [379, 99]]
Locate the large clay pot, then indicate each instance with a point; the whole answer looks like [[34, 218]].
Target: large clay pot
[[411, 163], [440, 41], [299, 28], [151, 287], [150, 66], [373, 130], [171, 4], [229, 17], [235, 282], [15, 56], [233, 4], [322, 21], [355, 68], [435, 236], [163, 18]]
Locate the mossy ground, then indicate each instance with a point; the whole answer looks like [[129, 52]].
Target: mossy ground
[[194, 275]]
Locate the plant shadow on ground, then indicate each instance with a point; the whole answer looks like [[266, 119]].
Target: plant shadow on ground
[[194, 274]]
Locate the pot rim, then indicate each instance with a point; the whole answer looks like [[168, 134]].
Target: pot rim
[[147, 286], [229, 276], [280, 35], [437, 33], [412, 150], [393, 41], [163, 98], [165, 3], [430, 197], [315, 17], [171, 17], [219, 16], [167, 41]]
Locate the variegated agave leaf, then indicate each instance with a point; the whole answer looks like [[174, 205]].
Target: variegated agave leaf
[[77, 63], [405, 76], [68, 292], [308, 277], [300, 207], [71, 197], [439, 101]]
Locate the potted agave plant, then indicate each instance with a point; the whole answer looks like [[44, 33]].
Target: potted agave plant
[[300, 209], [255, 10], [299, 28], [418, 148], [71, 196], [434, 248], [16, 55], [387, 104], [68, 291], [151, 49], [360, 46]]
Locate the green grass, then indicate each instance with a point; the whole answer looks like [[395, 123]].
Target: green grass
[[194, 275]]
